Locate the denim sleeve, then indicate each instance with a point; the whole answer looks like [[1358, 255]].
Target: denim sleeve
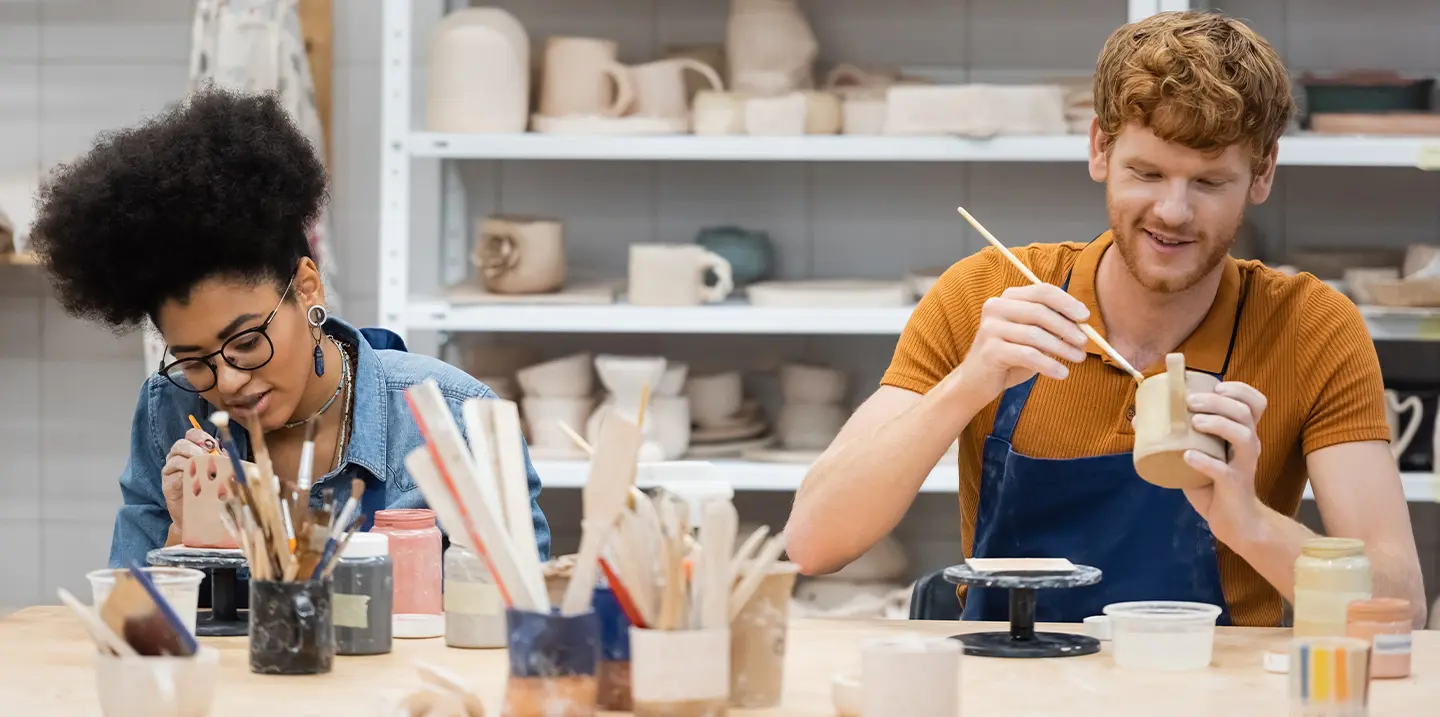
[[143, 520], [542, 526]]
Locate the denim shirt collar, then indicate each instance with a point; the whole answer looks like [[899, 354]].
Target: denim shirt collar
[[368, 427]]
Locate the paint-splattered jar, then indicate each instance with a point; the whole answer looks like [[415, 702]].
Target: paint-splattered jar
[[552, 664], [1330, 574], [364, 596], [416, 555], [1385, 624]]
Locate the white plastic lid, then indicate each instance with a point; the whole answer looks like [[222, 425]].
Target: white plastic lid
[[366, 545]]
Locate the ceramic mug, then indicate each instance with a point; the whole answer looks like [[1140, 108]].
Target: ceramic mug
[[716, 113], [157, 686], [823, 114], [578, 76], [905, 675], [809, 427], [1163, 431], [565, 377], [520, 255], [710, 53], [714, 399], [1394, 408], [660, 86], [674, 275], [811, 384]]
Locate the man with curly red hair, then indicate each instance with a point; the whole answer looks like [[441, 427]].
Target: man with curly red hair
[[1190, 108]]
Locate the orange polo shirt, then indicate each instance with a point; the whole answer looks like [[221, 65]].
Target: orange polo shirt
[[1300, 343]]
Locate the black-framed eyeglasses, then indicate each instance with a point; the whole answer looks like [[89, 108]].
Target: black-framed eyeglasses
[[248, 350]]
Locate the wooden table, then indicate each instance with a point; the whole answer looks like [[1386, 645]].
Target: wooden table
[[45, 671]]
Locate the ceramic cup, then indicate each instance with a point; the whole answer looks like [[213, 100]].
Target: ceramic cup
[[809, 426], [674, 275], [714, 399], [757, 641], [553, 660], [520, 255], [159, 686], [863, 114], [583, 77], [1163, 431], [716, 113], [807, 383], [823, 114], [662, 685], [672, 382], [565, 377], [179, 586], [779, 116], [660, 89], [543, 417], [667, 422], [907, 675]]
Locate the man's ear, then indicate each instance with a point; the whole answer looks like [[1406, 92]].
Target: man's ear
[[1264, 179], [1099, 152]]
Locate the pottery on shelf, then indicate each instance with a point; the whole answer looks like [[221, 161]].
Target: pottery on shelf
[[479, 76], [565, 377], [770, 48], [626, 379], [750, 252], [520, 254]]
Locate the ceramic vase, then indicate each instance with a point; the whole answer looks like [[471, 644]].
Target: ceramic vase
[[770, 48]]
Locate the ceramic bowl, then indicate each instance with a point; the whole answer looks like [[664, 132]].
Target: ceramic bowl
[[566, 377]]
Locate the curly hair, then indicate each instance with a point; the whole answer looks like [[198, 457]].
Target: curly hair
[[1196, 78], [220, 185]]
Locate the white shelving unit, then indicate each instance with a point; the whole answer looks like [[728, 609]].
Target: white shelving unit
[[404, 145]]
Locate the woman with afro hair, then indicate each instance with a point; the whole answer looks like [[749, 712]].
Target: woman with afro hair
[[196, 220]]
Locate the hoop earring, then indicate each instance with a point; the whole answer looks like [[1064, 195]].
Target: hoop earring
[[316, 316]]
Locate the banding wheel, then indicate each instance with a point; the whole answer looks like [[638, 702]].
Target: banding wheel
[[1022, 640], [224, 618]]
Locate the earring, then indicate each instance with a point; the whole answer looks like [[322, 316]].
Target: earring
[[316, 317]]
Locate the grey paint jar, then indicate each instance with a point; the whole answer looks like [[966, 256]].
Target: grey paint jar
[[364, 596]]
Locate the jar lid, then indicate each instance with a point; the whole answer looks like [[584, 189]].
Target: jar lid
[[1332, 547], [366, 545], [405, 518], [1379, 610]]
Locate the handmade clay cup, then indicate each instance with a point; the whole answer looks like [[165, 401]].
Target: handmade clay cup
[[809, 426], [715, 398], [161, 686], [1163, 431], [543, 415], [805, 383], [565, 377]]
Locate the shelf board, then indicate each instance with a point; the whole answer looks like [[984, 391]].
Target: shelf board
[[786, 477], [737, 317], [1295, 150], [729, 317]]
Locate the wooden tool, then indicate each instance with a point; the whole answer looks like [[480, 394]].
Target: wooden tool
[[606, 490], [137, 613], [755, 572], [1089, 331]]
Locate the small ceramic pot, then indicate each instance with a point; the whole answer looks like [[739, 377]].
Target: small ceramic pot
[[750, 252]]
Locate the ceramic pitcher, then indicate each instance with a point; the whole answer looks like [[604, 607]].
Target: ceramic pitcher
[[660, 86], [520, 255], [583, 77], [1162, 426], [479, 73], [770, 48]]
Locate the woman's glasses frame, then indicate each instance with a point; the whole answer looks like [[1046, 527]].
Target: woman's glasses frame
[[168, 370]]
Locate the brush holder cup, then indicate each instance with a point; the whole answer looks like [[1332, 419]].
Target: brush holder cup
[[553, 661], [292, 628], [757, 641], [179, 686], [907, 675], [1163, 431], [614, 669], [1329, 677], [680, 673]]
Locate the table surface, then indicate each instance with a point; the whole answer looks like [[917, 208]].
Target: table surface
[[45, 669]]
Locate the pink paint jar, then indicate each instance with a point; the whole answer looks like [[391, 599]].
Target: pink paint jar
[[1385, 624], [417, 560]]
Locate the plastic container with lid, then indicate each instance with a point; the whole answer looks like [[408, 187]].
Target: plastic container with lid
[[474, 612], [416, 557], [364, 596], [1162, 635], [1330, 574], [1385, 624]]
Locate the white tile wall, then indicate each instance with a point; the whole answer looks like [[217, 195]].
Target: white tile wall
[[72, 68]]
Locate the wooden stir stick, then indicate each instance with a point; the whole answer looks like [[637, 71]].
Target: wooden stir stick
[[1089, 331]]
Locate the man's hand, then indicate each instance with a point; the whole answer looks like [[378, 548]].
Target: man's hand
[[1026, 330], [1229, 503]]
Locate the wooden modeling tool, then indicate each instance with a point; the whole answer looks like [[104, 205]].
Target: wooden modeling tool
[[1089, 330], [755, 572], [105, 639], [514, 486], [606, 489], [137, 612]]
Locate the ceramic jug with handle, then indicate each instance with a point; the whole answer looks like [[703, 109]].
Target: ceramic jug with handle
[[1163, 431]]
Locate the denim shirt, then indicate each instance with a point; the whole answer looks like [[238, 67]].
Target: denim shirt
[[383, 432]]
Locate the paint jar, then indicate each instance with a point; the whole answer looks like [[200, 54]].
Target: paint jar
[[474, 612], [1385, 624], [553, 660], [415, 552], [906, 675], [179, 586], [1329, 677], [364, 596], [680, 673], [614, 669], [757, 641], [1330, 574], [292, 630]]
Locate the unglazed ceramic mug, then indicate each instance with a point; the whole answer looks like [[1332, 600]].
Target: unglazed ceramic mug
[[1163, 431], [520, 255], [674, 275], [660, 86], [582, 76]]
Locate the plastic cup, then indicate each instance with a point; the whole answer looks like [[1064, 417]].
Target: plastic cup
[[1162, 635], [179, 586]]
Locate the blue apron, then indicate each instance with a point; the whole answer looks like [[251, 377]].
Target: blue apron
[[1148, 541]]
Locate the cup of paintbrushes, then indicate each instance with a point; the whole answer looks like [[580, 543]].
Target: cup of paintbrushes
[[680, 673], [292, 629], [757, 640], [614, 669], [553, 661]]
